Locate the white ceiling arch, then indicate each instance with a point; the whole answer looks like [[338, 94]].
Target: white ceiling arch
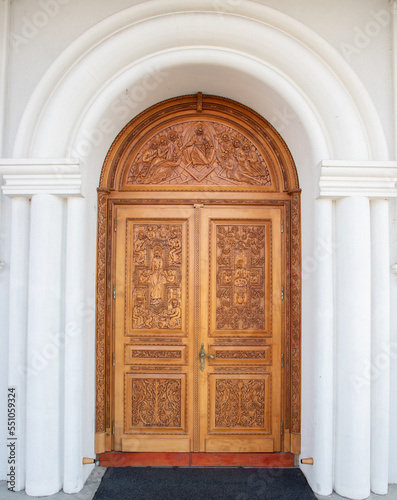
[[248, 54]]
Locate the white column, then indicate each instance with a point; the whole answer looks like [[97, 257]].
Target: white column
[[18, 300], [380, 346], [324, 348], [353, 348], [74, 328], [44, 383]]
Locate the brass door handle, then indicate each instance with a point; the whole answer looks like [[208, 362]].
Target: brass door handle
[[203, 356]]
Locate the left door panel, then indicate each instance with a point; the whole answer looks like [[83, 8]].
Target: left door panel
[[153, 291]]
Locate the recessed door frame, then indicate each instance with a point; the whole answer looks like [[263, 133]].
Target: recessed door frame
[[283, 191]]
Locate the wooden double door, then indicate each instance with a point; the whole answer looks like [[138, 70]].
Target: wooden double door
[[194, 281]]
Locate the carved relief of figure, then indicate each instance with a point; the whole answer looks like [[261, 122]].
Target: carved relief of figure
[[157, 278], [240, 275], [190, 152], [251, 166], [140, 249], [176, 145], [226, 156], [164, 165], [140, 317], [240, 282], [157, 275], [170, 275], [196, 150], [227, 145], [176, 249], [254, 161], [174, 314], [148, 157]]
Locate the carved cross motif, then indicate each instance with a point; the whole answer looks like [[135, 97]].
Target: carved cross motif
[[240, 288]]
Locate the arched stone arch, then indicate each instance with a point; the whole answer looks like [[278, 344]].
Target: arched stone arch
[[298, 64]]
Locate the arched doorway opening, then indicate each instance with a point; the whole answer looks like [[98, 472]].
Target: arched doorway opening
[[198, 284]]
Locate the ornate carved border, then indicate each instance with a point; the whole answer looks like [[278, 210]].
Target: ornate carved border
[[100, 421], [295, 301], [114, 164]]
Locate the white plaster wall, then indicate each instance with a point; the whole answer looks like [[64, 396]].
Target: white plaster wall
[[92, 137]]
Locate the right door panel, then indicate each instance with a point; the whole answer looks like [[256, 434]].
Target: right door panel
[[241, 328]]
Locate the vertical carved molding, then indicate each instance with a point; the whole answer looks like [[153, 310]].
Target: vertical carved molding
[[287, 398], [197, 228], [100, 423], [295, 312]]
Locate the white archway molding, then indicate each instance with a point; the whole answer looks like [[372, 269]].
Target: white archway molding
[[350, 123], [186, 71]]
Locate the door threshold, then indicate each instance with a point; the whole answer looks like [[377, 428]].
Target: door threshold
[[142, 459]]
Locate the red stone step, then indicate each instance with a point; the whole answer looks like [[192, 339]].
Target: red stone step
[[120, 459]]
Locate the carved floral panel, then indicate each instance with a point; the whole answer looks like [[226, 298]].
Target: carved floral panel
[[156, 354], [156, 402], [240, 277], [241, 354], [240, 403], [157, 276], [199, 153]]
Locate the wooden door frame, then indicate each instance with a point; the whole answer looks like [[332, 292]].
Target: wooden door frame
[[114, 191]]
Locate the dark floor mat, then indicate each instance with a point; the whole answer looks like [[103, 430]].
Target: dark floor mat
[[202, 483]]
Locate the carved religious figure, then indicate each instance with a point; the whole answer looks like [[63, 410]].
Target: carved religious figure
[[201, 152], [140, 249], [141, 318], [176, 249], [157, 274]]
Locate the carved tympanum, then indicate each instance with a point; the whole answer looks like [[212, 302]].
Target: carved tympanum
[[240, 285], [192, 153], [240, 403], [156, 402], [157, 276]]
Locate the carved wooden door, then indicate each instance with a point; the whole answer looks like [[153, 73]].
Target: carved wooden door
[[192, 276]]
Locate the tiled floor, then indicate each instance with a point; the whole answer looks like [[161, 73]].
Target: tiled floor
[[92, 484]]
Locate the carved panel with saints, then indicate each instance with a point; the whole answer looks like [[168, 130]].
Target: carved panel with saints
[[240, 277], [199, 153], [156, 276]]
